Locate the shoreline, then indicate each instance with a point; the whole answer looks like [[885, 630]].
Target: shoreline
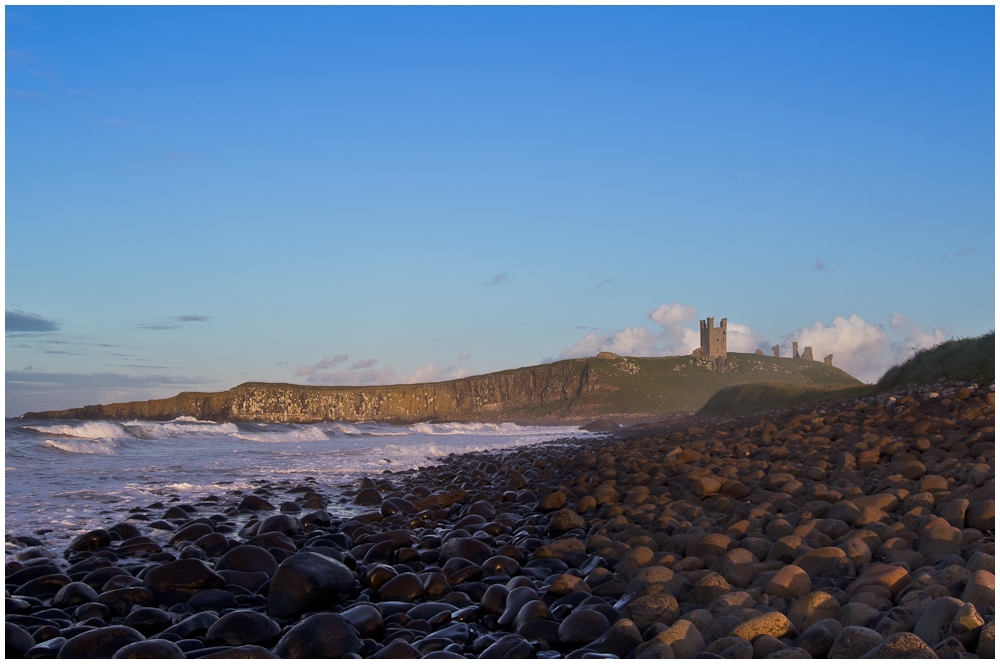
[[797, 532]]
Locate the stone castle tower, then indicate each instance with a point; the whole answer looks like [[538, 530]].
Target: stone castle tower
[[713, 342]]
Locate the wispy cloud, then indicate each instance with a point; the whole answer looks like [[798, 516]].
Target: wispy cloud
[[38, 390], [22, 321], [28, 95], [158, 326], [187, 318], [961, 252], [325, 363], [368, 372], [609, 280], [499, 279]]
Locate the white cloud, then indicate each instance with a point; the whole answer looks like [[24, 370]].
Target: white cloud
[[433, 374], [639, 341], [740, 339], [325, 363], [367, 372], [863, 349]]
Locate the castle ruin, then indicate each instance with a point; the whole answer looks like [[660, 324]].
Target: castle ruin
[[713, 343], [713, 347]]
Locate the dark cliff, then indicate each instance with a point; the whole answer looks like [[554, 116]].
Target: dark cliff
[[568, 390]]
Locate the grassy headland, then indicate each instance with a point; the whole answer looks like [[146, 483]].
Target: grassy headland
[[971, 359], [568, 391]]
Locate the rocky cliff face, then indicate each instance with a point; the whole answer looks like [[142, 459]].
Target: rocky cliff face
[[567, 391], [503, 395]]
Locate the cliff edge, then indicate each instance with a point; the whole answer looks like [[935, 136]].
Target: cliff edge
[[564, 391]]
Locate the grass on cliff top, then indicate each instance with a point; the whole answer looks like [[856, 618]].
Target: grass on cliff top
[[760, 397], [961, 359], [972, 359], [681, 384]]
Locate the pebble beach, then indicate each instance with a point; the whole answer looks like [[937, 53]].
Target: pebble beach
[[859, 530]]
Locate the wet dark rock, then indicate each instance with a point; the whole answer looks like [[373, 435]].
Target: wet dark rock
[[905, 645], [248, 558], [367, 497], [510, 646], [306, 582], [516, 599], [582, 627], [91, 610], [178, 580], [90, 541], [469, 548], [194, 626], [398, 650], [74, 594], [101, 642], [150, 649], [279, 523], [43, 586], [243, 652], [241, 628], [620, 639], [405, 587], [121, 601], [563, 521], [212, 599], [26, 574], [818, 638], [323, 635], [97, 578], [48, 649], [255, 503], [190, 533], [273, 540], [148, 620], [213, 544], [17, 641], [534, 609], [366, 619]]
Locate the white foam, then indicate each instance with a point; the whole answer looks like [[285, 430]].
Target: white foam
[[81, 446], [487, 429], [90, 430], [348, 429], [309, 433], [181, 427]]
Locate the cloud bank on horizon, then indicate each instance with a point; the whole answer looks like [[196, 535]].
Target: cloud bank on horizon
[[329, 371], [862, 349]]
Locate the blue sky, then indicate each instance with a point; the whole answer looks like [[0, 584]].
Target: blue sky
[[197, 197]]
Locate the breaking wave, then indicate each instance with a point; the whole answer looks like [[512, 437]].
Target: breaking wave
[[89, 430], [81, 446], [309, 433]]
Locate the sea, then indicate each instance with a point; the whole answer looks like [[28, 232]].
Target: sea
[[66, 477]]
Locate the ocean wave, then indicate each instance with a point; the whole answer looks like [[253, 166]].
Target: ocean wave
[[347, 429], [81, 446], [309, 433], [88, 430], [180, 427], [483, 429]]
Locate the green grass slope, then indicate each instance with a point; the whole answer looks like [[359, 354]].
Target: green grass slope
[[758, 397], [682, 384], [972, 359], [962, 359]]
